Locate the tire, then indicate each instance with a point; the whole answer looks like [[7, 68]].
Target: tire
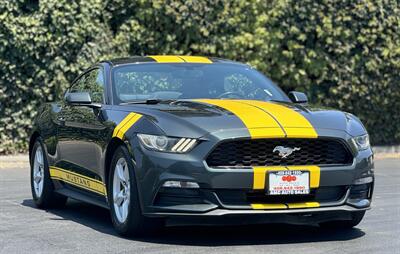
[[128, 222], [42, 187], [356, 218]]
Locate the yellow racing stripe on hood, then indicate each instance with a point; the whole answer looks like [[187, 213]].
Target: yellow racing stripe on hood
[[259, 123], [294, 123], [270, 120]]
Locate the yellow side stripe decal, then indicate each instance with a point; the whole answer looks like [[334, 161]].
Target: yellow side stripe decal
[[126, 124], [260, 175], [285, 206], [122, 123], [294, 124], [259, 123], [78, 180]]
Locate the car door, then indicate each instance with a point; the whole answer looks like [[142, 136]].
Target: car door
[[82, 133]]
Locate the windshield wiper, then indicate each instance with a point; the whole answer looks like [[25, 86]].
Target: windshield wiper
[[278, 101], [148, 101]]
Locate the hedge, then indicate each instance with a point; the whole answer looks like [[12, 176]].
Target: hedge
[[343, 54]]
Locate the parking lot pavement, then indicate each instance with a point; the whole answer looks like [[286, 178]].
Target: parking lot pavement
[[81, 228]]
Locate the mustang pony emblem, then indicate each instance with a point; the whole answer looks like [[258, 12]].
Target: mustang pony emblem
[[285, 151]]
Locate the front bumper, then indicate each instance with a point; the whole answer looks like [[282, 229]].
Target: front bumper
[[245, 217], [228, 193]]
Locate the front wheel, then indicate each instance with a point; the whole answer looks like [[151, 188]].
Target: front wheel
[[126, 213]]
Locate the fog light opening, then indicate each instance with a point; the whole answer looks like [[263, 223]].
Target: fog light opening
[[181, 184], [364, 180]]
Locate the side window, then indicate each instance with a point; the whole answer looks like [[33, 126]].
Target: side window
[[93, 83]]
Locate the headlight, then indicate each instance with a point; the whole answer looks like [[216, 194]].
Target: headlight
[[167, 144], [361, 142]]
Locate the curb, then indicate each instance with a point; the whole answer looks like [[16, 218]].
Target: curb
[[386, 152], [386, 149], [14, 161]]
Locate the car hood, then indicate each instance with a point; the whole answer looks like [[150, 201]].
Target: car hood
[[197, 118]]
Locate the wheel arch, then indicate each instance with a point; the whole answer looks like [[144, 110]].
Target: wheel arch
[[35, 135], [111, 147]]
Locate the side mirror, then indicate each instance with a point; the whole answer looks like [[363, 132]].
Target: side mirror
[[298, 97], [81, 99]]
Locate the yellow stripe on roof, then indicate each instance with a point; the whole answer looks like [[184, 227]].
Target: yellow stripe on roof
[[167, 59], [196, 59], [181, 59]]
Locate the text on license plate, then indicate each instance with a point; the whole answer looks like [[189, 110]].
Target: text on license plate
[[289, 182]]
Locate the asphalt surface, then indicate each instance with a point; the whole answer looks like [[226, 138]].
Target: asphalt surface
[[81, 228]]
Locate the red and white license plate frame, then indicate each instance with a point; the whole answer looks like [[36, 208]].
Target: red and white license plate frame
[[289, 182]]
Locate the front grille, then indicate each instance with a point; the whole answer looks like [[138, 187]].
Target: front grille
[[259, 152]]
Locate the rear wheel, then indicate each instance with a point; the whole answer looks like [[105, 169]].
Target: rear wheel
[[356, 218], [41, 185], [123, 198]]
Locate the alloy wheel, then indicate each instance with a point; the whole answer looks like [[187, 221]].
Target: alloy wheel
[[38, 172], [121, 190]]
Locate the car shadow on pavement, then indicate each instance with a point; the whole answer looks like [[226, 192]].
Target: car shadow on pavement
[[99, 219]]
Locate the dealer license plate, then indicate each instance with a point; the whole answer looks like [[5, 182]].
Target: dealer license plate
[[290, 182]]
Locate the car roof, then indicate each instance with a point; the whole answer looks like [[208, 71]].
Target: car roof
[[168, 59]]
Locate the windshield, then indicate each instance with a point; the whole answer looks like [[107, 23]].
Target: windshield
[[192, 81]]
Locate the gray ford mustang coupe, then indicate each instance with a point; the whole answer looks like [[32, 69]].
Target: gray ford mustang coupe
[[195, 140]]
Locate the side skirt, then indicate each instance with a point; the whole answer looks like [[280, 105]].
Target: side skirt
[[73, 192], [78, 186]]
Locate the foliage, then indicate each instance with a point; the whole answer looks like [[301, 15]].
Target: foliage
[[344, 54]]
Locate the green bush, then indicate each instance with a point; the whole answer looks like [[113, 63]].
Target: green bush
[[344, 54]]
